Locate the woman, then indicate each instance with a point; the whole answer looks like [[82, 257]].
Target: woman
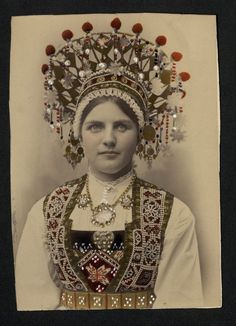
[[113, 241]]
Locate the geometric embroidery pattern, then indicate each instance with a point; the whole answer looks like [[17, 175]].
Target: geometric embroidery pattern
[[141, 271], [54, 211]]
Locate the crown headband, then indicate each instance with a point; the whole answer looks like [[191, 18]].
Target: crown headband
[[120, 65]]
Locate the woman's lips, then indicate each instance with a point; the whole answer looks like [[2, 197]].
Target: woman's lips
[[108, 152]]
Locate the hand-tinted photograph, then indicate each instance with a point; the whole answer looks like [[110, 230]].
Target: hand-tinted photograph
[[115, 161]]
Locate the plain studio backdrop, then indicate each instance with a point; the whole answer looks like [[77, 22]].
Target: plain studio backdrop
[[191, 172]]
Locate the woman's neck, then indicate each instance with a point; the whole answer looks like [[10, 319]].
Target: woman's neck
[[106, 177]]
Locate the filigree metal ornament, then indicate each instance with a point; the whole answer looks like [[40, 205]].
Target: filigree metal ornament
[[103, 214], [103, 239], [126, 201], [83, 201]]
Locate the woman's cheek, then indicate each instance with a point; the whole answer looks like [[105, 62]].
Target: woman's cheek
[[129, 140], [90, 139]]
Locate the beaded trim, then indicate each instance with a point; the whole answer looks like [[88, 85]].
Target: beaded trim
[[111, 91], [97, 301]]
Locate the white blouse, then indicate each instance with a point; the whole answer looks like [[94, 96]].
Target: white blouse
[[178, 283]]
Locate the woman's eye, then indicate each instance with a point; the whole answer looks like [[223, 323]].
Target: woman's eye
[[121, 127], [94, 128]]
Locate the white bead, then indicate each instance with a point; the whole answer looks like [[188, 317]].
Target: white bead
[[156, 68], [135, 59], [50, 82], [87, 51], [58, 125], [67, 63], [116, 51], [174, 116], [48, 111], [52, 126], [141, 75], [102, 65], [82, 73]]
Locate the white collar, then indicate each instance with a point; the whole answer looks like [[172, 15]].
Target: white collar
[[103, 191]]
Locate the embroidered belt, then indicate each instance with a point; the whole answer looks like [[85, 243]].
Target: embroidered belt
[[92, 300]]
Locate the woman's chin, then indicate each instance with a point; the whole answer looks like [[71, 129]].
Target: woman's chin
[[108, 168]]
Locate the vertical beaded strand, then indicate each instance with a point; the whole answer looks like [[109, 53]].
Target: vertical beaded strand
[[49, 81], [173, 72], [58, 125], [167, 129]]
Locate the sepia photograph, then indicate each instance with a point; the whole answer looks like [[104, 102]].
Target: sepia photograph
[[115, 194]]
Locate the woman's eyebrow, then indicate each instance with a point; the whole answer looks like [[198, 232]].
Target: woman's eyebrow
[[122, 121], [94, 121], [102, 122]]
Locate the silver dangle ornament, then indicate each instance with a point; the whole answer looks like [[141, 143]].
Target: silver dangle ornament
[[103, 214], [83, 201], [74, 152], [126, 201], [103, 239]]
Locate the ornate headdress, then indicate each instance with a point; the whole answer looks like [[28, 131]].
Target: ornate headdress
[[114, 64]]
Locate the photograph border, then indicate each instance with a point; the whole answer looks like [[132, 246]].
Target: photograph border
[[226, 27]]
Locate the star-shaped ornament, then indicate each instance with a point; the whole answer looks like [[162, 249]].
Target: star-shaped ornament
[[177, 134]]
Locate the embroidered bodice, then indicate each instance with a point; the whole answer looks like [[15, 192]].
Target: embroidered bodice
[[127, 262]]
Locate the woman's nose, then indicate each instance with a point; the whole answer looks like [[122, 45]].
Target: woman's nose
[[109, 139]]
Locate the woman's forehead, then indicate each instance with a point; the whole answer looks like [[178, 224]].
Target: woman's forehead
[[107, 111]]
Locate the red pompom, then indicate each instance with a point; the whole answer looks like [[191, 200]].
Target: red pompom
[[44, 68], [161, 40], [67, 35], [176, 56], [87, 27], [184, 76], [50, 50], [137, 28], [116, 23]]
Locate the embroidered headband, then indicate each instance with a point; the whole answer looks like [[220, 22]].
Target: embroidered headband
[[120, 65]]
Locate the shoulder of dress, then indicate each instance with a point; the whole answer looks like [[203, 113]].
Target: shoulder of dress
[[182, 211]]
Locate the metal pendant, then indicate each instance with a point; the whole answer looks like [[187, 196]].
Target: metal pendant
[[103, 214], [103, 239]]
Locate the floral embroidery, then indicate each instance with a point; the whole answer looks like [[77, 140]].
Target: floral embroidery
[[151, 251], [151, 209], [98, 275]]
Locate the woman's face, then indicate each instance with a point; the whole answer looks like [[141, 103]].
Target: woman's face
[[109, 138]]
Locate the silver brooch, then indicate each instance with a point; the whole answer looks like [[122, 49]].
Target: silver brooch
[[83, 201]]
